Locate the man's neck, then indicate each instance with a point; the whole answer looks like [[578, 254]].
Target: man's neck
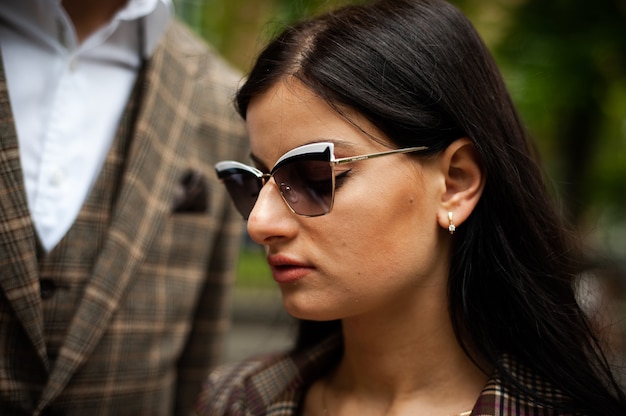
[[88, 16]]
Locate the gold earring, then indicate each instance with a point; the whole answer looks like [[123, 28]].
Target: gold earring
[[451, 227]]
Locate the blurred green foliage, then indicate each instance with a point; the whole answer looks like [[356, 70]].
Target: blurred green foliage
[[239, 28], [568, 60], [563, 60], [252, 269]]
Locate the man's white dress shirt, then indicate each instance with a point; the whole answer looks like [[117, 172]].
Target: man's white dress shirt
[[67, 98]]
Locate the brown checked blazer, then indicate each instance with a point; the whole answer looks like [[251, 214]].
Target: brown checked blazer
[[276, 385], [147, 324]]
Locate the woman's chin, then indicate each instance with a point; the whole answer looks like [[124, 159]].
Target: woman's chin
[[305, 307]]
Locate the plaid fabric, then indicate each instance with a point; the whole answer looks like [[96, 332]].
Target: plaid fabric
[[497, 400], [139, 326], [275, 386], [272, 385]]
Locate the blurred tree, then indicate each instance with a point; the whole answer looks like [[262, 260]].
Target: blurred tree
[[239, 28], [566, 61]]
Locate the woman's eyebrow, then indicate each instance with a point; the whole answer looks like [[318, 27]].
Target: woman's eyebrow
[[260, 165]]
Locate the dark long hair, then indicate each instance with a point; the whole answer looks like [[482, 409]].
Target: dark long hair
[[418, 70]]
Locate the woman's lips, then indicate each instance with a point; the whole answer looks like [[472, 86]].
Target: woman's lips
[[287, 270]]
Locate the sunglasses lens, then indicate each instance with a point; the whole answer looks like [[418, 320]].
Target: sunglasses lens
[[243, 188], [306, 185]]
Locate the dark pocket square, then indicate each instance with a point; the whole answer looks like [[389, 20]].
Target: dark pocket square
[[191, 194]]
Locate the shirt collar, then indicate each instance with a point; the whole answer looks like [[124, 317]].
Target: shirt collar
[[156, 14], [42, 16]]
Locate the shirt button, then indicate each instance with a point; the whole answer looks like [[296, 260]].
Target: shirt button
[[47, 287], [51, 412], [74, 64]]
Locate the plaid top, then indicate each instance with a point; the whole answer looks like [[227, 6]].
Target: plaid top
[[276, 386]]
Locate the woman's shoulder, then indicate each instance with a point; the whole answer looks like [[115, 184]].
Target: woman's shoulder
[[257, 385], [229, 388], [233, 374], [516, 388]]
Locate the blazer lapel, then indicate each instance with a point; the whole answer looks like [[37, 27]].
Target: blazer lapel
[[19, 276], [155, 157]]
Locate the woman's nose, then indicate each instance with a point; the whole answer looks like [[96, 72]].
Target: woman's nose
[[270, 217]]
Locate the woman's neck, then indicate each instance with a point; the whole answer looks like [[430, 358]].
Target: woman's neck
[[410, 364]]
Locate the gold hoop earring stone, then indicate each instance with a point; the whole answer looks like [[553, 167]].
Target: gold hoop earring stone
[[451, 227]]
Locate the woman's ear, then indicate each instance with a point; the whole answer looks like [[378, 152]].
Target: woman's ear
[[464, 183]]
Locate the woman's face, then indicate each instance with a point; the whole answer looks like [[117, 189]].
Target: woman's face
[[380, 248]]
